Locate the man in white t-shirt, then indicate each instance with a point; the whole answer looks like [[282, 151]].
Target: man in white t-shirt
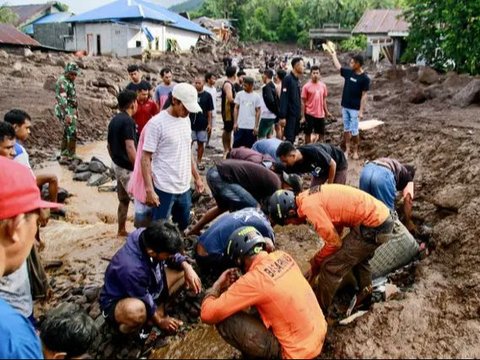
[[210, 81], [167, 165], [246, 115]]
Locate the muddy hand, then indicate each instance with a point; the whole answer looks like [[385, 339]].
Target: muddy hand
[[192, 280], [170, 324]]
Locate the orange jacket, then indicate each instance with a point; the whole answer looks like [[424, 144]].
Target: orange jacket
[[334, 207], [286, 302]]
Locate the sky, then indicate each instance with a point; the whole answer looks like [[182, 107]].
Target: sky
[[79, 6]]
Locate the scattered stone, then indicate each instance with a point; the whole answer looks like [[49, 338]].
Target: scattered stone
[[468, 95], [82, 168], [82, 176], [98, 179], [50, 83], [97, 167], [3, 54], [91, 292], [28, 53], [427, 75], [108, 187], [417, 96]]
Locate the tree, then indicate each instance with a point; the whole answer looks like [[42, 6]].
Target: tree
[[63, 7], [7, 16], [445, 33]]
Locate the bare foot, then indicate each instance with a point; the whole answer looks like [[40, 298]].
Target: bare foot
[[355, 156]]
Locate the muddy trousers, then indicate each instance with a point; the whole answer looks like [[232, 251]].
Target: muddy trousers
[[354, 255], [248, 334], [69, 141]]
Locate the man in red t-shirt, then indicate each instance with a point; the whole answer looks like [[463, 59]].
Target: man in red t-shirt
[[147, 108], [314, 101]]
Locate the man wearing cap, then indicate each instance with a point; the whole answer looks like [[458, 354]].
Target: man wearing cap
[[66, 110], [167, 164], [289, 323], [237, 184], [20, 211], [246, 115]]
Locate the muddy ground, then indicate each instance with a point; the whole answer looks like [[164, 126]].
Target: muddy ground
[[439, 314]]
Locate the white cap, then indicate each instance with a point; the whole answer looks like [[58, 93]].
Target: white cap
[[187, 94]]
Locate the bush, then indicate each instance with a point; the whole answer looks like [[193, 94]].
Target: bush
[[355, 43]]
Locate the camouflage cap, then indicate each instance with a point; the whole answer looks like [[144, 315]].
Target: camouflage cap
[[72, 67]]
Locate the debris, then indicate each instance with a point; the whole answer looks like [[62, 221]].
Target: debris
[[468, 95], [82, 176], [97, 167], [98, 179], [427, 75], [351, 318]]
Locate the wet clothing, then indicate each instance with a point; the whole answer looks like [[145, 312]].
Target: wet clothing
[[145, 112], [133, 274], [316, 161], [120, 129], [267, 146], [290, 106], [275, 285], [382, 179], [215, 239], [67, 108], [256, 179], [355, 85], [243, 153], [18, 338], [199, 121], [228, 108], [334, 207]]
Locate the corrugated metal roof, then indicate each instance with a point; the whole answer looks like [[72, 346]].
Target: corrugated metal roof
[[11, 36], [54, 18], [381, 22], [27, 12], [124, 10]]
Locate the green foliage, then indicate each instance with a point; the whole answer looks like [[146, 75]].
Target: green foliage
[[355, 43], [7, 16], [63, 7], [445, 33], [288, 20], [189, 5]]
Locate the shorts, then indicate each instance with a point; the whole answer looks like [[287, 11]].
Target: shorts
[[228, 196], [200, 136], [314, 124], [228, 125], [265, 128], [123, 177], [143, 214], [244, 137], [350, 121]]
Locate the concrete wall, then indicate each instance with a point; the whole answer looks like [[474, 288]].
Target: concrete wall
[[52, 34], [185, 39]]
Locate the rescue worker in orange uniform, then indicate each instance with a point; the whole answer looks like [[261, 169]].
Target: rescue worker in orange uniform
[[330, 208], [291, 323]]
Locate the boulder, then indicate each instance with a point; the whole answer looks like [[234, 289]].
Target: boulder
[[97, 167], [82, 168], [28, 53], [82, 176], [434, 91], [417, 96], [17, 66], [50, 83], [468, 95], [98, 179], [149, 68], [452, 197], [427, 75]]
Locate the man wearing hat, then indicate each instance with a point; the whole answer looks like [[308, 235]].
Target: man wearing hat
[[20, 211], [167, 165], [246, 116], [66, 110]]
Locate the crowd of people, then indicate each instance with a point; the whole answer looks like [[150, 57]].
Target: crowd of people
[[261, 302]]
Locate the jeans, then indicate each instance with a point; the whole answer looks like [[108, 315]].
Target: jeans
[[350, 121], [379, 182], [227, 195], [176, 205]]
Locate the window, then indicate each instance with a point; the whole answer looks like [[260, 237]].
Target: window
[[138, 44]]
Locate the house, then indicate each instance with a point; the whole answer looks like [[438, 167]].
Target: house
[[128, 27], [11, 38], [386, 31], [52, 30], [222, 28], [328, 32], [28, 14]]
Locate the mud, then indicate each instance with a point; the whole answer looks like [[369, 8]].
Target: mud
[[437, 313]]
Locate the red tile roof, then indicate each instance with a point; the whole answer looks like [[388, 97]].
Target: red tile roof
[[381, 22], [9, 35]]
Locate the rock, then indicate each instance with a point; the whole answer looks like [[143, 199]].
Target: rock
[[17, 66], [82, 176], [110, 103], [3, 54], [417, 96], [82, 168], [434, 91], [91, 292], [28, 53], [468, 95], [50, 83], [98, 179], [380, 97], [62, 195], [61, 62], [97, 167], [427, 75], [149, 68], [95, 311], [452, 197]]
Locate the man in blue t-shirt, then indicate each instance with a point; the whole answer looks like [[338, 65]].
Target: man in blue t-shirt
[[212, 244], [267, 147], [354, 100], [20, 212]]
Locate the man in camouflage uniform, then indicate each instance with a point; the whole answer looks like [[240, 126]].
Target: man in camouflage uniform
[[66, 109]]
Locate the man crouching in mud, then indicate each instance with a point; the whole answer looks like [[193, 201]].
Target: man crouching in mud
[[291, 323], [137, 284]]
